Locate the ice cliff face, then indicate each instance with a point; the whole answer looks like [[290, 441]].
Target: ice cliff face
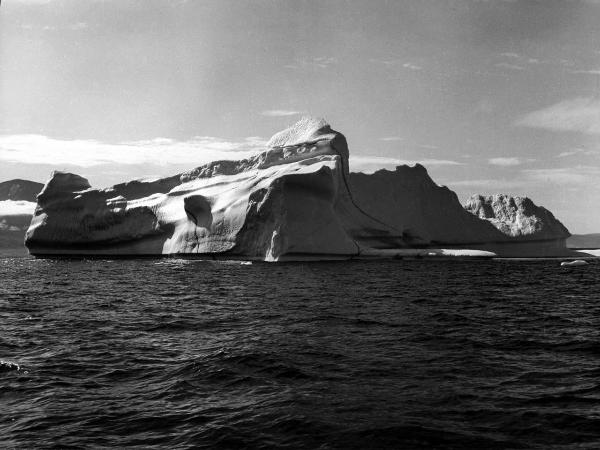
[[296, 198], [517, 217]]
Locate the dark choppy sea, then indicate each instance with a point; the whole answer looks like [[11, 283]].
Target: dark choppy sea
[[165, 353]]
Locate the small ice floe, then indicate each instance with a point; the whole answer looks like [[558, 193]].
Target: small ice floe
[[577, 262], [233, 262], [7, 366]]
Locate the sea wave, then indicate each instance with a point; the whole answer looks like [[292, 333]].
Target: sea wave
[[363, 354]]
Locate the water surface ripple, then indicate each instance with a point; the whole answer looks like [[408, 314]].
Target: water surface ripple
[[167, 353]]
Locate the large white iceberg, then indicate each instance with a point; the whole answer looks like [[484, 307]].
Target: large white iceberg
[[296, 199]]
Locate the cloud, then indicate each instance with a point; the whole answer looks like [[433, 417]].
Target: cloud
[[319, 62], [38, 149], [370, 164], [324, 61], [16, 208], [577, 115], [391, 139], [586, 72], [395, 63], [411, 66], [578, 151], [520, 59], [508, 161], [504, 65], [490, 183], [280, 113], [579, 175]]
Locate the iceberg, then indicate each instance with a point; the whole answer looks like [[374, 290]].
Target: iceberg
[[517, 217], [577, 262], [295, 200]]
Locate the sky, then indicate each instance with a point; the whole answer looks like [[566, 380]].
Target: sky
[[491, 96]]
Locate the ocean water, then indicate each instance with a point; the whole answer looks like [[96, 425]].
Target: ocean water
[[167, 353]]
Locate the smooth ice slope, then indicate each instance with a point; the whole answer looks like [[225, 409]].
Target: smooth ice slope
[[296, 199]]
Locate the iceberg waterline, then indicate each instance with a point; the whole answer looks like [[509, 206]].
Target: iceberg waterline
[[296, 199]]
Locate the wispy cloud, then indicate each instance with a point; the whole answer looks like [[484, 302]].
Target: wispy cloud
[[578, 151], [15, 208], [396, 63], [530, 179], [578, 175], [518, 60], [324, 61], [577, 115], [370, 164], [38, 149], [505, 65], [509, 161], [490, 183], [391, 139], [412, 66], [318, 62], [586, 72], [280, 113]]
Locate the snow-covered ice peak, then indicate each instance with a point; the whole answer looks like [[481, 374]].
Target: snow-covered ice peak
[[306, 139], [306, 131]]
